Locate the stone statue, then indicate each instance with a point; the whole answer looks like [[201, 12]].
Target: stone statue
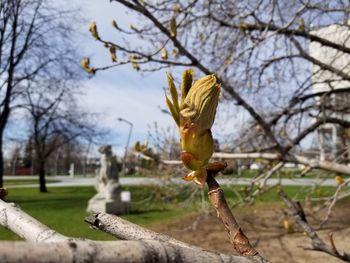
[[108, 188], [108, 170]]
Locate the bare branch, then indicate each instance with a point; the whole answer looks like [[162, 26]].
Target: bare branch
[[27, 227], [316, 242], [110, 251], [123, 229]]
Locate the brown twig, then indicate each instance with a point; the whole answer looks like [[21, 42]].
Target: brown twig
[[335, 250], [238, 239], [316, 242]]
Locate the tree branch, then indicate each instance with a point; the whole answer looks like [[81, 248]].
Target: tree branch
[[110, 251], [55, 247], [316, 242], [27, 227], [123, 229], [237, 238]]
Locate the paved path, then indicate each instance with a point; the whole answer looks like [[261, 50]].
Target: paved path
[[90, 181]]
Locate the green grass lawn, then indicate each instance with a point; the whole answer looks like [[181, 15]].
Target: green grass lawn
[[26, 181], [63, 209], [291, 173]]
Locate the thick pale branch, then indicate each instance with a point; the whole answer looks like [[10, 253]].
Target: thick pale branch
[[126, 230], [55, 247], [324, 165], [298, 159], [123, 229], [108, 252], [27, 227], [267, 156]]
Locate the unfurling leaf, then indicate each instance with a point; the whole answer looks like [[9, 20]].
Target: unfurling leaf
[[301, 24], [288, 226], [339, 179], [114, 24], [135, 65], [199, 106], [173, 92], [175, 53], [164, 54], [195, 117], [173, 28], [113, 53], [176, 8], [85, 64], [137, 146], [93, 30], [198, 176], [242, 26], [186, 84], [134, 61], [173, 111]]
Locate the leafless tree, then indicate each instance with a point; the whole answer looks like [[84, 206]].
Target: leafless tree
[[35, 42], [55, 120]]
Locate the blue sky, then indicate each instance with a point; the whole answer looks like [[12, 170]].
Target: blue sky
[[123, 92]]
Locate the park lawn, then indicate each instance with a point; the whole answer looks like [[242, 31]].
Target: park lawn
[[63, 209], [288, 173], [27, 181]]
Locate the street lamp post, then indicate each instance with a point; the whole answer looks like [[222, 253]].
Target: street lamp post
[[127, 143]]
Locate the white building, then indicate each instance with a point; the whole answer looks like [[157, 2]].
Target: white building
[[324, 81]]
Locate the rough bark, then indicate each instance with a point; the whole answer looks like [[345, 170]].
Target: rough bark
[[27, 227], [1, 164], [236, 236], [123, 229], [108, 252], [55, 247], [42, 179], [317, 243]]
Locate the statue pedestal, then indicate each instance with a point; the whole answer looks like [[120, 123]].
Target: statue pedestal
[[111, 207], [109, 201]]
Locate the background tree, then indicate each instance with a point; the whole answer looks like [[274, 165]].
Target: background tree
[[257, 49], [35, 42], [55, 120]]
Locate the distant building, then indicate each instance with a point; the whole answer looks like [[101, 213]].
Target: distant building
[[333, 139]]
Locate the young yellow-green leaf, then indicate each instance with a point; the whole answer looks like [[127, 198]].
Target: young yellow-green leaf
[[186, 84], [201, 102], [173, 92], [93, 30], [173, 111], [164, 53], [173, 27], [113, 53], [175, 53], [135, 65], [85, 64], [115, 24]]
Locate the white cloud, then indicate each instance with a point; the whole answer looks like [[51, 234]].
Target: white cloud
[[135, 98], [123, 92]]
